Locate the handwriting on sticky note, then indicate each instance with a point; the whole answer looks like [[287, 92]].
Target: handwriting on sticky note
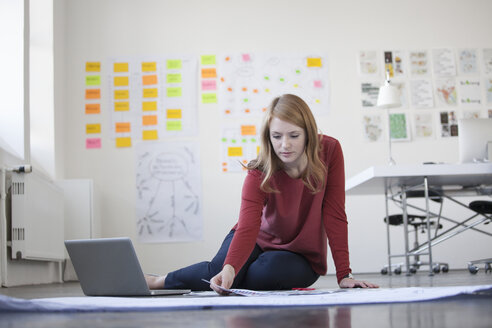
[[121, 81], [121, 106], [121, 94], [91, 80], [148, 106], [173, 114], [150, 93], [149, 66], [149, 79], [248, 130], [92, 108], [93, 128], [173, 64], [209, 98], [149, 135], [173, 92], [208, 60], [92, 93], [174, 125], [149, 120], [209, 73], [209, 85], [93, 67], [122, 127], [93, 143]]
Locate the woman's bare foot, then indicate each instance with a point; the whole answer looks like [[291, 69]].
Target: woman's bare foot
[[155, 282]]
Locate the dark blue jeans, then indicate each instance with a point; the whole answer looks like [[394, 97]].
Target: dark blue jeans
[[270, 270]]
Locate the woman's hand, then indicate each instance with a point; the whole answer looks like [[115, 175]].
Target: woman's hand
[[353, 283], [224, 279]]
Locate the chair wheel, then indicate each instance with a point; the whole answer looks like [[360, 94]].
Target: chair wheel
[[472, 268], [436, 269], [413, 270], [384, 271], [445, 268], [488, 268], [398, 271]]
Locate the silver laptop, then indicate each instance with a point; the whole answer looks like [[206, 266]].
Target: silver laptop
[[109, 267]]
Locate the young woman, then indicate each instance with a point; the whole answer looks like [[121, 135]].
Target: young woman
[[293, 202]]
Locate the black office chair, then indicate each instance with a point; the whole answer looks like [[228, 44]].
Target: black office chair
[[484, 208], [419, 223]]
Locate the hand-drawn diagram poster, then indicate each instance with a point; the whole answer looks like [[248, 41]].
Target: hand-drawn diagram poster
[[248, 82], [168, 185]]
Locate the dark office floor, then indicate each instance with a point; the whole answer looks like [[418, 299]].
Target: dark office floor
[[460, 311]]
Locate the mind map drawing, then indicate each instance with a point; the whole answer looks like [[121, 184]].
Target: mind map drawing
[[168, 191]]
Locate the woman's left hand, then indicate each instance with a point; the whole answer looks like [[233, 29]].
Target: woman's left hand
[[354, 283]]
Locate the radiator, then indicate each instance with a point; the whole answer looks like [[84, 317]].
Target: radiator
[[37, 222]]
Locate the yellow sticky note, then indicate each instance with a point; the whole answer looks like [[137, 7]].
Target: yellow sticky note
[[121, 81], [248, 130], [208, 73], [173, 114], [173, 64], [121, 94], [120, 67], [208, 60], [173, 78], [93, 80], [92, 108], [123, 142], [148, 106], [93, 67], [92, 93], [235, 151], [149, 135], [209, 98], [173, 92], [121, 106], [92, 128], [150, 93], [314, 62], [174, 126], [149, 79], [149, 120], [122, 127], [149, 67]]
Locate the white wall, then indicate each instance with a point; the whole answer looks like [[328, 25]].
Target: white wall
[[96, 30]]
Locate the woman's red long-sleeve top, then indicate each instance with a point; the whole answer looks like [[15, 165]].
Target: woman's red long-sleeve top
[[295, 219]]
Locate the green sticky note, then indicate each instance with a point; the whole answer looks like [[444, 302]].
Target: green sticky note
[[93, 80], [224, 139], [208, 60], [209, 98], [174, 126], [173, 78], [173, 64], [173, 92]]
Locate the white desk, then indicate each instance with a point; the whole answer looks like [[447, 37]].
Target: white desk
[[448, 179]]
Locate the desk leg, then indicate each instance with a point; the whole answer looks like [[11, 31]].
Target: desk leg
[[387, 230], [427, 213], [405, 228]]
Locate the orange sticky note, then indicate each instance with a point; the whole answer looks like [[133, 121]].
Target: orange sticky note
[[92, 128], [314, 62], [149, 79], [93, 67], [121, 127], [149, 120], [92, 108], [148, 106], [92, 93], [150, 93], [120, 67], [208, 73], [149, 67], [173, 113], [121, 94], [248, 130], [149, 135], [235, 151], [121, 106], [121, 81], [123, 142]]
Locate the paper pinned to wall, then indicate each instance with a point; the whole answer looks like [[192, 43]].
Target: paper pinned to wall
[[168, 192]]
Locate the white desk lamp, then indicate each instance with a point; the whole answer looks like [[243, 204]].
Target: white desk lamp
[[389, 97]]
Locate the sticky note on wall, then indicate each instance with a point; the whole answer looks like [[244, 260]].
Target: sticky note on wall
[[149, 66], [121, 106], [248, 130], [92, 108], [149, 135], [235, 151], [208, 59], [92, 128], [149, 120], [121, 81], [149, 79], [93, 67], [174, 125], [173, 114], [120, 67], [122, 127], [91, 80], [92, 93], [123, 142], [93, 143], [314, 62], [148, 106]]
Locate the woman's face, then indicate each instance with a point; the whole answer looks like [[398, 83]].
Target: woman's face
[[288, 141]]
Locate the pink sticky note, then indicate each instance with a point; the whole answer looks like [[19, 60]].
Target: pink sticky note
[[246, 57], [318, 84], [93, 143], [209, 85]]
